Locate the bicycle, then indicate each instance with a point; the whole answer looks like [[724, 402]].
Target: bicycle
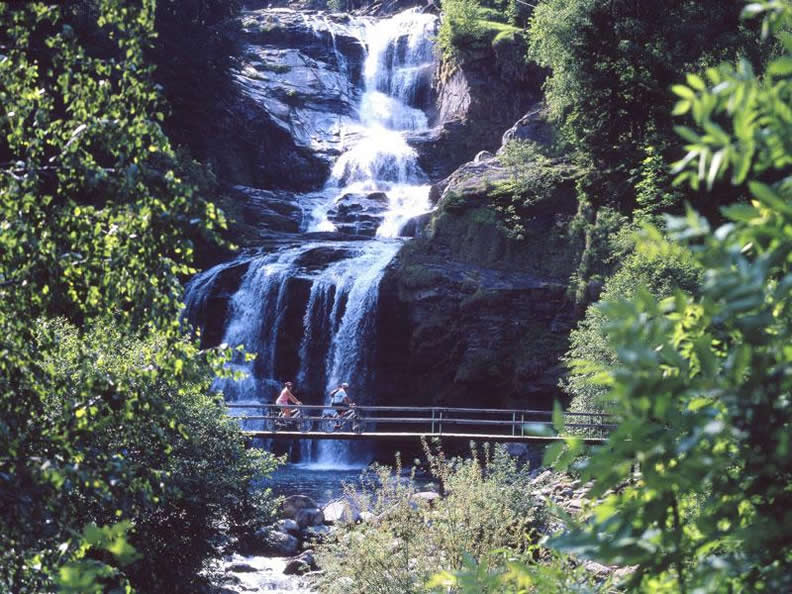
[[348, 420], [296, 420]]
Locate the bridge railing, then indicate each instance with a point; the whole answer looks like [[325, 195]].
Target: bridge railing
[[430, 420]]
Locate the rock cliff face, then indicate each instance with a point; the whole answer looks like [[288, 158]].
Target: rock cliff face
[[298, 74], [479, 95], [466, 315], [470, 317]]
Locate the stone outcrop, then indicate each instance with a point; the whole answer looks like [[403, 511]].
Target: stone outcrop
[[470, 316], [480, 94], [298, 82]]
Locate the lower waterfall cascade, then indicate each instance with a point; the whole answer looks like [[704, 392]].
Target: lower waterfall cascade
[[327, 275]]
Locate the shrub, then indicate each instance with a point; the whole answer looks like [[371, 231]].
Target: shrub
[[660, 268], [703, 383], [486, 508], [459, 25], [175, 466]]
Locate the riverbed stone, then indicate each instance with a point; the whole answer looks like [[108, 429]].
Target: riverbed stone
[[288, 526], [425, 498], [316, 533], [268, 541], [310, 516], [301, 564], [241, 568], [341, 512], [294, 503]]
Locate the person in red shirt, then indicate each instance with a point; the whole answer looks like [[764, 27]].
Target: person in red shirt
[[286, 396]]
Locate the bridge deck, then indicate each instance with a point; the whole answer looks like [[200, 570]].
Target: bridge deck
[[312, 421], [371, 435]]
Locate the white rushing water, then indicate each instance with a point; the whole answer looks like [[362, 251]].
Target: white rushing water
[[378, 180]]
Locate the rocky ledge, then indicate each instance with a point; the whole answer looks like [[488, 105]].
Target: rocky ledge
[[471, 313]]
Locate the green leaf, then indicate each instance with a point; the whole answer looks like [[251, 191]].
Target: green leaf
[[780, 67], [552, 453], [558, 417], [684, 92]]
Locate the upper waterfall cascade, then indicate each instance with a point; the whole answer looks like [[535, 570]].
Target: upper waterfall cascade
[[306, 307]]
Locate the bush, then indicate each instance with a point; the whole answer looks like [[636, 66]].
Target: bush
[[535, 177], [486, 508], [174, 466], [702, 383], [659, 268], [459, 25]]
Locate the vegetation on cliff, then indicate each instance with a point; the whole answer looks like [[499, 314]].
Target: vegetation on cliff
[[689, 345], [111, 452]]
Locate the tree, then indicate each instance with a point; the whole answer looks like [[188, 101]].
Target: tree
[[97, 217], [611, 64], [702, 384]]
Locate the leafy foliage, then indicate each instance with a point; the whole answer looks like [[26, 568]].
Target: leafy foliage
[[485, 509], [702, 383], [611, 64], [659, 267], [535, 177], [108, 442]]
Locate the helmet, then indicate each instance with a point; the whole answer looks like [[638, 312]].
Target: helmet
[[345, 385]]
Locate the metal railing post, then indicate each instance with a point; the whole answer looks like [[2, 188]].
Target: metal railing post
[[440, 422], [514, 423], [522, 425], [433, 420]]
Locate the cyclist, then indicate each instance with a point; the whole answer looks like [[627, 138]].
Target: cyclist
[[286, 396], [340, 401]]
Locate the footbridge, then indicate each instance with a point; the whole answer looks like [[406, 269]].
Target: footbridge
[[405, 422]]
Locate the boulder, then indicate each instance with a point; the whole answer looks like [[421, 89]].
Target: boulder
[[533, 126], [316, 533], [425, 498], [301, 564], [341, 512], [268, 541], [309, 516], [288, 526], [294, 503], [241, 568]]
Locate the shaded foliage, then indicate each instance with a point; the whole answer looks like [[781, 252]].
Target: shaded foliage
[[106, 435], [612, 63], [193, 54], [701, 382]]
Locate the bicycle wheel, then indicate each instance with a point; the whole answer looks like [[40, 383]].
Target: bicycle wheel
[[327, 424], [269, 423]]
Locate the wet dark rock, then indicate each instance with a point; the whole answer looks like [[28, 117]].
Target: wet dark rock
[[319, 257], [309, 517], [533, 126], [288, 526], [210, 314], [241, 568], [359, 214], [301, 564], [471, 316], [269, 541], [316, 533], [259, 214]]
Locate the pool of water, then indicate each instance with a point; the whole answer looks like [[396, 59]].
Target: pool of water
[[324, 483]]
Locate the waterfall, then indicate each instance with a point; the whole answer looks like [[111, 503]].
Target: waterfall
[[376, 185]]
